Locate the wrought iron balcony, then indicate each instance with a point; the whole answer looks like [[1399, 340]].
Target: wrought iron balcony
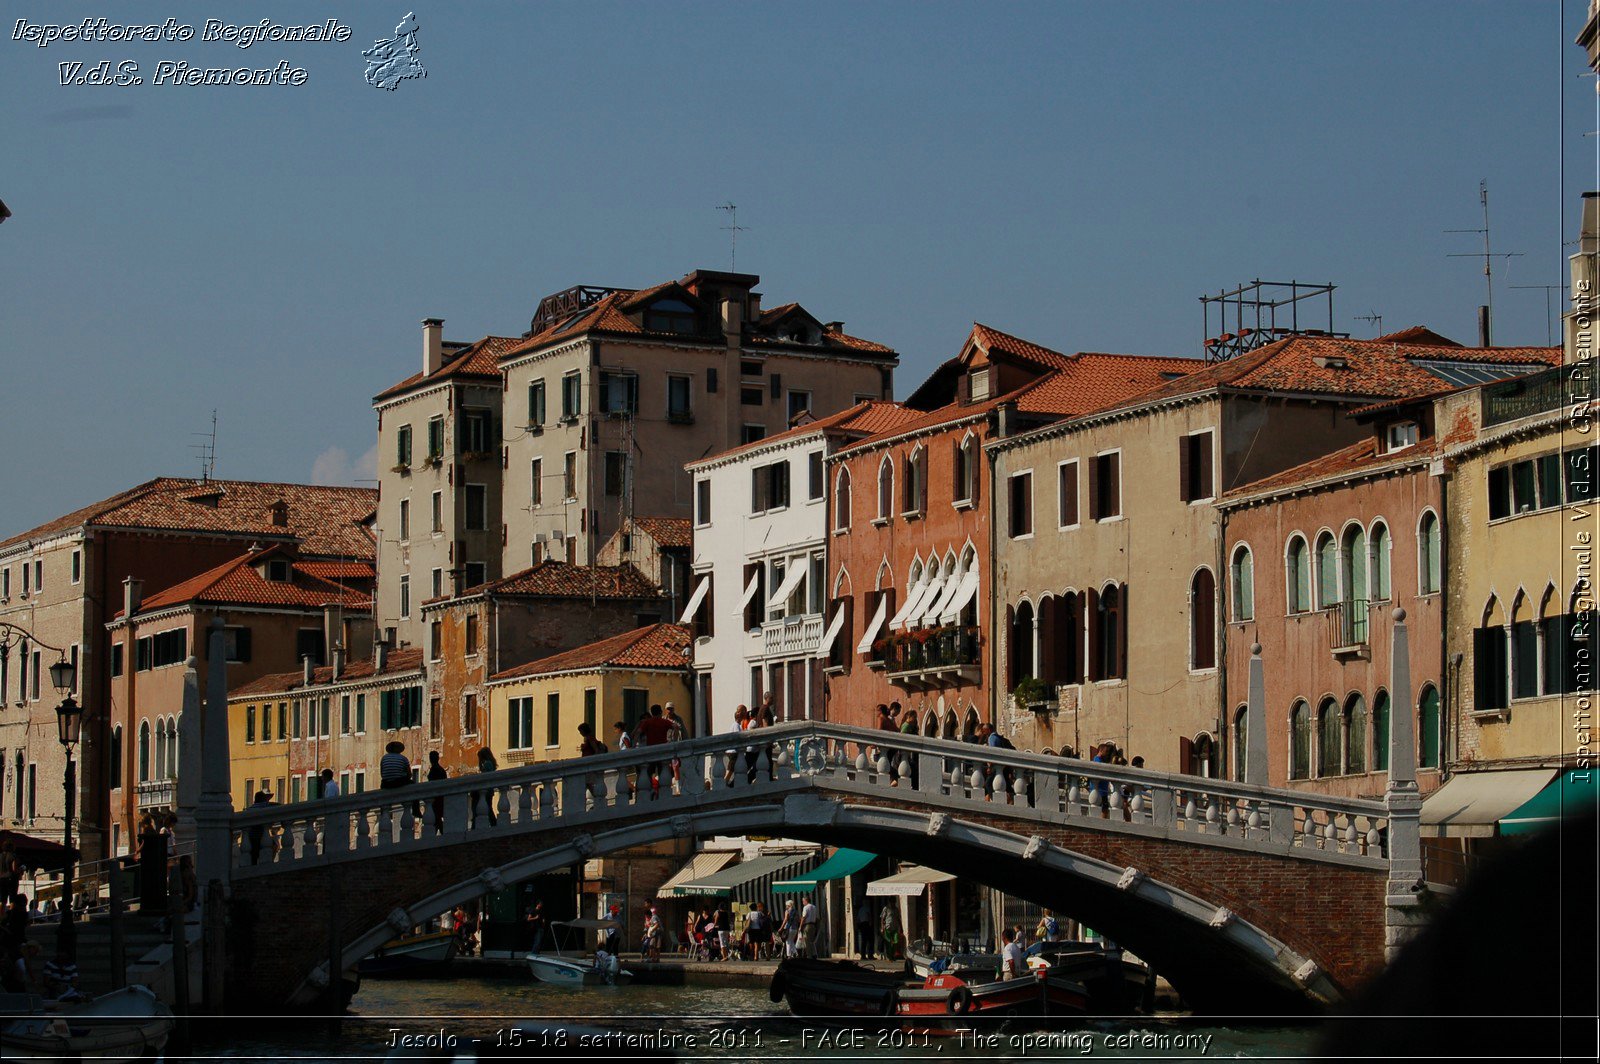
[[928, 657], [1348, 624], [1520, 397]]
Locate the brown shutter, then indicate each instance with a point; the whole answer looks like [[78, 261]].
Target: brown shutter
[[1113, 485], [1045, 667], [1122, 633], [1208, 483], [1011, 648], [1184, 445], [1091, 627]]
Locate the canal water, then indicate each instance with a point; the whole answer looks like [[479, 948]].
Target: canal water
[[704, 1023]]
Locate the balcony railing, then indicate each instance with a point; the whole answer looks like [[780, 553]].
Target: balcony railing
[[933, 655], [1520, 397], [800, 634], [1348, 624], [157, 794]]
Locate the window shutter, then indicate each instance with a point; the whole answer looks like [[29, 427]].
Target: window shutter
[[1185, 445], [777, 385], [1202, 459], [711, 380], [1113, 485], [1091, 616], [242, 644], [1045, 667], [1122, 632]]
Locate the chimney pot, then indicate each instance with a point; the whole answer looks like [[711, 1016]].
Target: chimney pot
[[338, 662], [380, 653], [309, 673], [834, 326], [432, 345], [132, 595], [1483, 326]]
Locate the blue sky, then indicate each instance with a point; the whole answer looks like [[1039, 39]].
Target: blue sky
[[1075, 173]]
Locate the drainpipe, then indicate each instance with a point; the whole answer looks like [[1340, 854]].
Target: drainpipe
[[991, 674], [1219, 601], [1450, 693]]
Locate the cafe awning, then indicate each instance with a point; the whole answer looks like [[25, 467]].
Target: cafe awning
[[37, 853], [842, 863], [909, 883], [748, 880], [1473, 803], [699, 866], [1569, 796]]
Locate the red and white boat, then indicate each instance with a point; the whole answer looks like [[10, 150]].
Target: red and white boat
[[846, 990]]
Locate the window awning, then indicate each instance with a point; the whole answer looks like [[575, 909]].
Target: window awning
[[695, 599], [909, 883], [1572, 794], [1472, 803], [872, 629], [842, 863], [937, 609], [934, 593], [747, 880], [913, 596], [750, 589], [791, 580], [699, 866], [832, 633], [958, 602]]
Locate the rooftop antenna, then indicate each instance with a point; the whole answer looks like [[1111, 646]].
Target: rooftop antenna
[[1549, 310], [734, 229], [206, 449], [1488, 256], [1374, 319]]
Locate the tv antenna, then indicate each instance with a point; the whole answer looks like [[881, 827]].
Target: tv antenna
[[1549, 311], [206, 450], [1487, 256], [733, 229], [1374, 319]]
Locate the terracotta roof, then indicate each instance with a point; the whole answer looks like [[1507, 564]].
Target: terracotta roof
[[337, 570], [992, 340], [1373, 369], [667, 531], [1092, 381], [478, 359], [1358, 457], [553, 579], [655, 646], [1417, 334], [238, 583], [866, 418], [325, 519], [406, 659]]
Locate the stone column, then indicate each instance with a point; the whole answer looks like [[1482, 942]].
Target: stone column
[[1403, 911], [1255, 727], [214, 809], [190, 759]]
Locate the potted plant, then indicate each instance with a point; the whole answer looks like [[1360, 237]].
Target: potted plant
[[1033, 693]]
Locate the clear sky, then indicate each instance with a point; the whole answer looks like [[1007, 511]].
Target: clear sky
[[1075, 173]]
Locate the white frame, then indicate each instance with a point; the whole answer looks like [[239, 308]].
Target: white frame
[[1290, 583], [1216, 627], [1422, 568], [1233, 560], [885, 514], [1209, 498], [1120, 514], [1032, 507], [969, 441], [1077, 494]]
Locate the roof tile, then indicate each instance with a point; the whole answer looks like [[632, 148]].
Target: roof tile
[[655, 646], [406, 659]]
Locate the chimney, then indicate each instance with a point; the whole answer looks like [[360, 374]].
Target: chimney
[[1483, 326], [380, 653], [278, 514], [333, 625], [432, 345], [132, 595], [338, 661], [755, 305], [732, 317], [1589, 242], [305, 661], [833, 326]]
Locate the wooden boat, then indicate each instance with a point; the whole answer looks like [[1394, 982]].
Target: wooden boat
[[1116, 985], [411, 955], [846, 990], [571, 971], [835, 988], [124, 1025]]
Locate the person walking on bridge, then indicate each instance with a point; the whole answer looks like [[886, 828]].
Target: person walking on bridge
[[654, 729]]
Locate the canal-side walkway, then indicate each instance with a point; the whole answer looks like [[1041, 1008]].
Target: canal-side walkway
[[668, 971]]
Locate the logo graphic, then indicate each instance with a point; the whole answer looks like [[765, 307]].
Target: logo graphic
[[393, 61]]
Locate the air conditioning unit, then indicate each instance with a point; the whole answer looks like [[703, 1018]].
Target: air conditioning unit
[[540, 537], [558, 535]]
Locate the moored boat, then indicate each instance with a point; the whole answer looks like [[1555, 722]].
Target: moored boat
[[412, 955], [571, 971], [846, 990], [124, 1025], [835, 988]]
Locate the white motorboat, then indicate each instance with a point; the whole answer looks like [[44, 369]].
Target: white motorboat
[[563, 970], [124, 1025]]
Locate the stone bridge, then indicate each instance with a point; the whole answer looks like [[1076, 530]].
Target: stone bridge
[[1241, 895]]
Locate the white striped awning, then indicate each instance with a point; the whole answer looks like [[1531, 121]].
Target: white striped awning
[[699, 866], [958, 602], [872, 629], [832, 632], [915, 597]]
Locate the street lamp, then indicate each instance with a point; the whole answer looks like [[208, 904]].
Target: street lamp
[[69, 724]]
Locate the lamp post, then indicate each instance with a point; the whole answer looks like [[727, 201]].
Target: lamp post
[[69, 723]]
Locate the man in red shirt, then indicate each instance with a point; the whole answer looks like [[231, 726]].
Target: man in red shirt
[[653, 730]]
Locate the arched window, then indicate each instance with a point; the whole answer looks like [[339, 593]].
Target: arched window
[[1355, 734], [1327, 571], [1490, 665], [1203, 756], [1241, 739], [965, 485], [930, 724], [1330, 740], [914, 475], [1021, 637], [1203, 620], [1380, 562], [969, 723], [1552, 642], [116, 757], [144, 751], [1298, 573], [1243, 579], [1428, 728], [1300, 741], [172, 748], [161, 749], [1068, 632], [1110, 633], [885, 487], [1380, 732], [1524, 650], [841, 500], [1353, 563], [1430, 555]]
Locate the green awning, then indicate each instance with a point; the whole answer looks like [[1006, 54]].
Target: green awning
[[842, 863], [1570, 795], [746, 879]]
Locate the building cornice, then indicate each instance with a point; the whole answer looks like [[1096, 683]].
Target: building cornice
[[594, 670], [1511, 430], [1333, 481], [365, 683], [845, 454]]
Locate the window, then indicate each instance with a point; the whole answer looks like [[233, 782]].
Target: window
[[769, 487], [1297, 567], [236, 644], [1430, 554], [1355, 734], [569, 476], [344, 714], [166, 648], [1580, 466], [475, 432], [435, 639], [77, 566], [1327, 571], [116, 668], [915, 499], [536, 482], [1380, 732], [679, 410], [1243, 579], [1203, 621], [476, 573], [1019, 514], [33, 692], [1490, 672], [885, 488], [799, 403], [405, 597], [309, 643], [1105, 486], [477, 498], [841, 500], [438, 583], [5, 583], [297, 721], [670, 316], [116, 757], [1108, 633], [144, 751], [1300, 741], [437, 523], [552, 719], [815, 484], [1538, 483], [1428, 729], [294, 789], [1524, 651], [1020, 636], [1401, 435], [755, 604], [1067, 494], [250, 724], [472, 634], [405, 520], [964, 467], [400, 707], [536, 403], [702, 502], [816, 582], [752, 433], [322, 717], [361, 781], [1353, 563], [1194, 467], [402, 447], [635, 706], [361, 713], [571, 396], [978, 385], [435, 438], [435, 717], [750, 397], [616, 473], [590, 707], [469, 713], [619, 393], [749, 369]]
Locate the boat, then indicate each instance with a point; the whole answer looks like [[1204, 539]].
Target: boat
[[411, 955], [1116, 984], [124, 1025], [941, 1001], [572, 971]]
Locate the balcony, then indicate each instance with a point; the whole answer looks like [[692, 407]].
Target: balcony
[[1348, 624], [933, 657], [792, 636], [157, 794], [1521, 397]]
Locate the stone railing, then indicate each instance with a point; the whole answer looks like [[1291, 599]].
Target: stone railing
[[914, 771], [800, 634]]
